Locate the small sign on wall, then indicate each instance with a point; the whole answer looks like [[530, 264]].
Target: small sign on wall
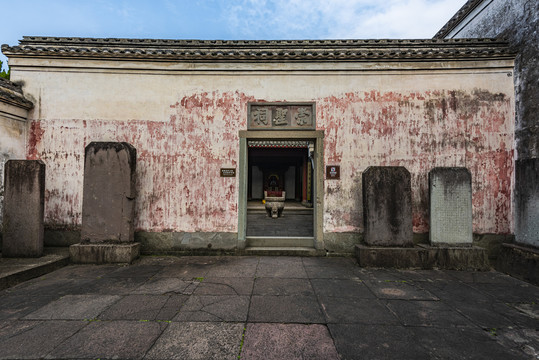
[[333, 172], [228, 172]]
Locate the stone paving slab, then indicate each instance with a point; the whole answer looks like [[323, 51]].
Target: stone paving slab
[[18, 306], [38, 340], [107, 286], [290, 271], [110, 340], [463, 343], [285, 309], [220, 308], [455, 291], [400, 289], [184, 271], [199, 341], [331, 272], [427, 313], [288, 341], [224, 286], [489, 315], [229, 308], [276, 286], [135, 307], [342, 288], [74, 307], [518, 293], [339, 310], [355, 341], [166, 286]]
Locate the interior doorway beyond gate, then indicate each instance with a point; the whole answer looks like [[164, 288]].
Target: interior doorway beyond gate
[[282, 168]]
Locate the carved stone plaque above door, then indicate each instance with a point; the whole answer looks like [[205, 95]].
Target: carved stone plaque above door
[[281, 116]]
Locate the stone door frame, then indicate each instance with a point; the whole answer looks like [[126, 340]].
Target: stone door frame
[[318, 176]]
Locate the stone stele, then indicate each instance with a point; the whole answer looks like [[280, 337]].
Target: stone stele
[[527, 202], [108, 193], [108, 208], [450, 191], [387, 206], [24, 200]]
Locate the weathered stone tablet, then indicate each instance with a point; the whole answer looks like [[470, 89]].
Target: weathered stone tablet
[[109, 193], [387, 206], [450, 190], [527, 202], [24, 200]]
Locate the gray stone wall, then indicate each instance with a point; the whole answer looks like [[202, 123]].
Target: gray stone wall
[[518, 22]]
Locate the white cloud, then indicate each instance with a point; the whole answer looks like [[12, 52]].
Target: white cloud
[[360, 19]]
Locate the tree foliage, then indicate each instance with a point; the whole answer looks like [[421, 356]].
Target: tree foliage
[[3, 73]]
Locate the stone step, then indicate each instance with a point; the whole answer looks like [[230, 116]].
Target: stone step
[[17, 270], [284, 251], [280, 241], [298, 210]]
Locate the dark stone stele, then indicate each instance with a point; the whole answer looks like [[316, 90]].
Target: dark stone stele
[[24, 200], [108, 193], [527, 202], [108, 208], [387, 206]]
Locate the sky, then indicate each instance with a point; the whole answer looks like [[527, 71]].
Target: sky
[[225, 19]]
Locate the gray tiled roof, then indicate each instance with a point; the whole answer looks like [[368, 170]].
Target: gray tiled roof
[[12, 93], [466, 9], [260, 50]]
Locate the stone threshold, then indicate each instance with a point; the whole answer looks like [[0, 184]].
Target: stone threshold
[[280, 241], [283, 251]]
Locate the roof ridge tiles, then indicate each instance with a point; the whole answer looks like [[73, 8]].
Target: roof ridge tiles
[[255, 50]]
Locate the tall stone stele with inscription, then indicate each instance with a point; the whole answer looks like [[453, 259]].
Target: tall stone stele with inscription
[[450, 207], [24, 201], [108, 208]]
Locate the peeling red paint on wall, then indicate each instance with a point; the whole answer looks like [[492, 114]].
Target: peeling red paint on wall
[[178, 162], [420, 130], [34, 138], [178, 183]]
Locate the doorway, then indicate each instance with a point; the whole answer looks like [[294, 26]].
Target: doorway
[[281, 161], [282, 168]]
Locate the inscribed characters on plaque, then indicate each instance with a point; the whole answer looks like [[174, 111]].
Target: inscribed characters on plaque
[[268, 116]]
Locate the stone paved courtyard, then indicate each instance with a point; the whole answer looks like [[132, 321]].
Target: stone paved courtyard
[[267, 308]]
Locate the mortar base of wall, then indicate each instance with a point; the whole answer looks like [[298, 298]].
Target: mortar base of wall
[[221, 243]]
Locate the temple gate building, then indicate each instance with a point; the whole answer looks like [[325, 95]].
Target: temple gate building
[[217, 123]]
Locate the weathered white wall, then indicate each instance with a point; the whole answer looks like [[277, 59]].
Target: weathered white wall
[[184, 123], [12, 140], [516, 21]]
